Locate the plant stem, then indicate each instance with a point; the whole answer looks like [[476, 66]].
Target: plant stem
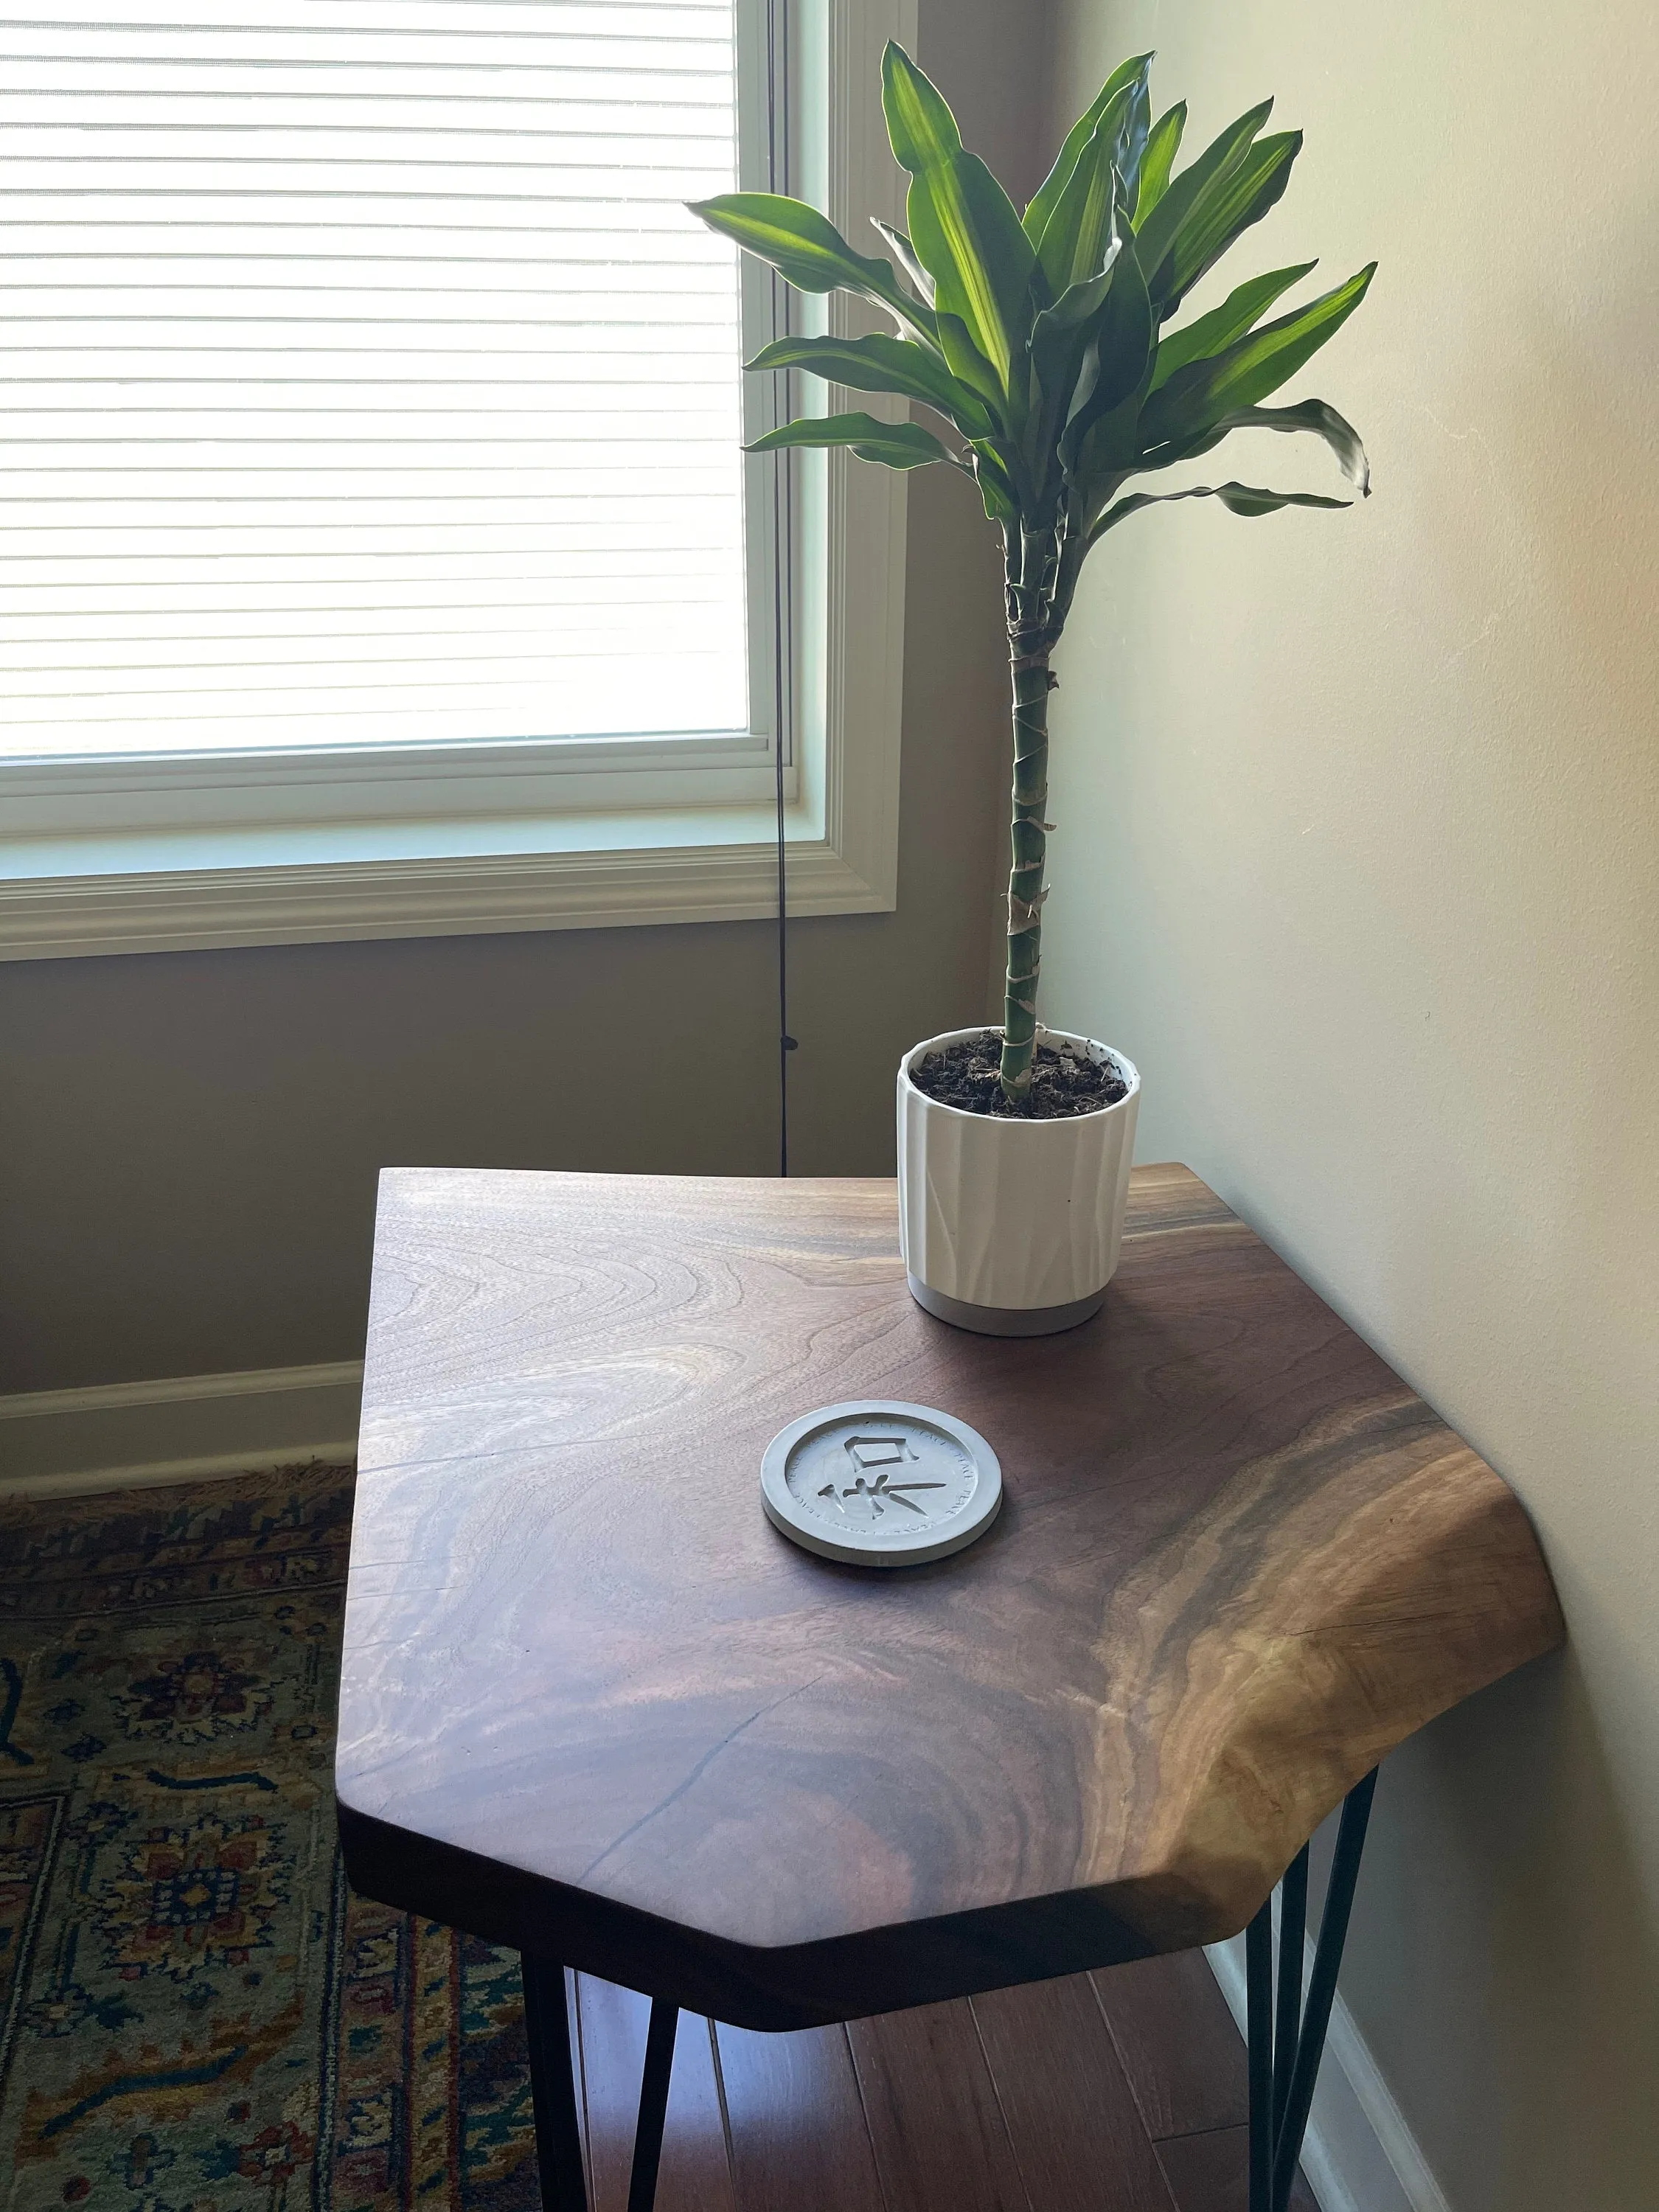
[[1031, 571]]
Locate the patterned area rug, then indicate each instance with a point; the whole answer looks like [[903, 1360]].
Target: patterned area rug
[[195, 2013]]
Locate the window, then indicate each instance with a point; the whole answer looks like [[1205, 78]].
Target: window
[[370, 383], [372, 435]]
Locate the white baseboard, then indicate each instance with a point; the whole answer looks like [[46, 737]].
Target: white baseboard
[[120, 1435], [1358, 2155]]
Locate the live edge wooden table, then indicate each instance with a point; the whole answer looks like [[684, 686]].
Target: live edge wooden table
[[595, 1707]]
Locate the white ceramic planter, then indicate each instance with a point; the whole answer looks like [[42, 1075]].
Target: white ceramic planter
[[1013, 1228]]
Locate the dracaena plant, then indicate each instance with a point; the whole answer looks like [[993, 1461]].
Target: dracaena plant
[[1040, 340]]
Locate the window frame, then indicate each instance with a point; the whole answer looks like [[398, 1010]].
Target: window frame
[[175, 852]]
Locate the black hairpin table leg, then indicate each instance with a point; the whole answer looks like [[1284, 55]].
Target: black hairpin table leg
[[553, 2088], [654, 2105], [553, 2092], [1286, 2038]]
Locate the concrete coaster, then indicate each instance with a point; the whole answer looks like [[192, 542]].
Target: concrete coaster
[[880, 1484]]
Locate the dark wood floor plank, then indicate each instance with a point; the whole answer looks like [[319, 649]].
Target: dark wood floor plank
[[695, 2176], [1036, 2100], [1181, 2051], [1072, 2118], [939, 2135], [798, 2139], [1210, 2172]]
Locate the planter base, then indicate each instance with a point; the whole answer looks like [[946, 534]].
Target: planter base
[[1005, 1320]]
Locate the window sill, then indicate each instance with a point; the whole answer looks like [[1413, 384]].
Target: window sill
[[183, 891]]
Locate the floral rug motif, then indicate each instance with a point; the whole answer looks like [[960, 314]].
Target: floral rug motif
[[196, 2014]]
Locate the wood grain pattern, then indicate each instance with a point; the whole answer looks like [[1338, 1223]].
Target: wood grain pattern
[[593, 1704], [1179, 2048], [1076, 2130], [798, 2136], [940, 2141]]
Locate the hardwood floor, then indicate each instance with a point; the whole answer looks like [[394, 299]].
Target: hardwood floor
[[1117, 2092]]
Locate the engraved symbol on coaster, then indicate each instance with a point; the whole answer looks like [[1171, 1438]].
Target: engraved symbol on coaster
[[867, 1454], [880, 1484]]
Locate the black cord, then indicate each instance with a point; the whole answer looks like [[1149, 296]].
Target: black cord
[[777, 164]]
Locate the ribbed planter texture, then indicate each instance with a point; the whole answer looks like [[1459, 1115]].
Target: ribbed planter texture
[[1009, 1227]]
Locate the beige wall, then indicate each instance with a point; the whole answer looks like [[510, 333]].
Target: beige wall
[[1358, 859], [189, 1142]]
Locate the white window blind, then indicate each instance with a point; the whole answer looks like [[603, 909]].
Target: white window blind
[[364, 379]]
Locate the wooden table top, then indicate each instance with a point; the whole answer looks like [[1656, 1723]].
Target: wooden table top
[[594, 1706]]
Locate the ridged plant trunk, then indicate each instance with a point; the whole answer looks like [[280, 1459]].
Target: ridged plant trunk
[[1031, 567]]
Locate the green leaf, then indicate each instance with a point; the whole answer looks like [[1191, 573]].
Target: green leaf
[[1156, 163], [884, 364], [1196, 398], [1132, 138], [1238, 313], [895, 445], [968, 364], [1113, 367], [1073, 243], [807, 249], [906, 255], [1183, 199], [1062, 337], [1036, 218], [921, 128], [1233, 202], [963, 224], [1241, 498], [966, 232], [996, 486], [1324, 422], [1079, 303]]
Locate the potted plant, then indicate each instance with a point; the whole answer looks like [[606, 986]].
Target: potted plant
[[1039, 341]]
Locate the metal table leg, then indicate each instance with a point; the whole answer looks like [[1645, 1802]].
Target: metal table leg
[[1287, 2039], [553, 2093], [654, 2105], [553, 2088], [1258, 2018]]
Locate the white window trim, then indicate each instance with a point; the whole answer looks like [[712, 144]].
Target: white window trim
[[445, 865]]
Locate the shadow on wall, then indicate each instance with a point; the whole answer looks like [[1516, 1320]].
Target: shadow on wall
[[1542, 1909], [1535, 1885]]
